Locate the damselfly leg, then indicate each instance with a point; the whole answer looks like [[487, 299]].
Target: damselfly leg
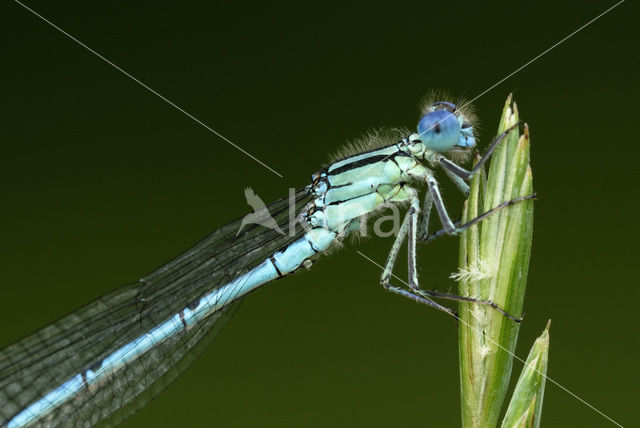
[[458, 171], [460, 227], [408, 229]]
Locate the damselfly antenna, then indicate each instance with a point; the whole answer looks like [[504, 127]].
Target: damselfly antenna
[[462, 94]]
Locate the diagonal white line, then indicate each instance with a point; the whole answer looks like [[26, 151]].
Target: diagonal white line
[[546, 51], [518, 70], [162, 97], [507, 351]]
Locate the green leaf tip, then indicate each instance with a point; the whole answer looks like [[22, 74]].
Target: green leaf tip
[[494, 261], [527, 419], [525, 407]]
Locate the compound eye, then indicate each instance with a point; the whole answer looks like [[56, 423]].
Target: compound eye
[[439, 130]]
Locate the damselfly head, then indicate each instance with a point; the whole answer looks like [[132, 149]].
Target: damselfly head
[[444, 127]]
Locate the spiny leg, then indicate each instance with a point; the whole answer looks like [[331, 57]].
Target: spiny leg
[[446, 221], [419, 299], [447, 296], [425, 214], [451, 228], [409, 225], [456, 169], [411, 241], [409, 229], [413, 276], [409, 222], [462, 186], [395, 249], [460, 227]]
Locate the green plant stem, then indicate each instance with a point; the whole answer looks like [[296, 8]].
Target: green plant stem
[[494, 260]]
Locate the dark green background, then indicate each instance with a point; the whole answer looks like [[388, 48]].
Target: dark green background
[[102, 181]]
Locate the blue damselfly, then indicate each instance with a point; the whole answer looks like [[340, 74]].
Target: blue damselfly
[[107, 358]]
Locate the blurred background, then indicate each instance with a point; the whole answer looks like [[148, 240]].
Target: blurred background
[[102, 181]]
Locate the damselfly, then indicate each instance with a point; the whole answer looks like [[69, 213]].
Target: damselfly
[[109, 357]]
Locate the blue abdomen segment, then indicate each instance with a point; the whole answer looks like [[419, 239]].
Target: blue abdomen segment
[[314, 241], [279, 264]]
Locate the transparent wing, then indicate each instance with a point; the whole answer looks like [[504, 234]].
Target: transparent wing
[[42, 361]]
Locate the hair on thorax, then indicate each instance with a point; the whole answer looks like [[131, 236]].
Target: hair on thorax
[[372, 140]]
